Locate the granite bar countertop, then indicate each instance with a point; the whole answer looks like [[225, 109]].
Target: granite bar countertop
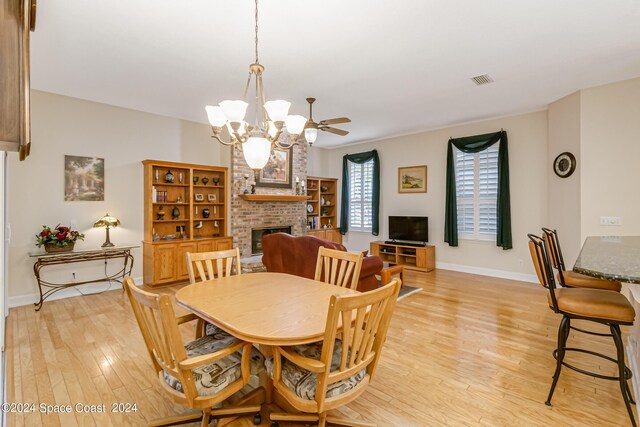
[[610, 257]]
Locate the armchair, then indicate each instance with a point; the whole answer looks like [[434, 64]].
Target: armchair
[[297, 255]]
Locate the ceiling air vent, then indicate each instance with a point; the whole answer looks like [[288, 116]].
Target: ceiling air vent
[[482, 79]]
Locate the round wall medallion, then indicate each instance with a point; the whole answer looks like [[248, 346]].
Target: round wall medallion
[[564, 165]]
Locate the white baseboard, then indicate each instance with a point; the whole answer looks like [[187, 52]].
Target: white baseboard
[[90, 288], [488, 272]]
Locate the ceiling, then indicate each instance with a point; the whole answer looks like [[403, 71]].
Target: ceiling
[[392, 67]]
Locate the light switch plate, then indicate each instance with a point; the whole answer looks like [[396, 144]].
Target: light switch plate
[[610, 220]]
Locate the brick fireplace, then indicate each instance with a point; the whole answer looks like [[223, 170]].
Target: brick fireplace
[[248, 215]]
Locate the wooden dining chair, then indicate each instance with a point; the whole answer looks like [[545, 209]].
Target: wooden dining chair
[[212, 265], [321, 376], [204, 372], [338, 268], [571, 279], [601, 306]]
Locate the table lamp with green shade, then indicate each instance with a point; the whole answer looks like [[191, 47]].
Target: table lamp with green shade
[[107, 221]]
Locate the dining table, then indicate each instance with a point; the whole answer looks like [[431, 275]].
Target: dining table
[[271, 309], [617, 258]]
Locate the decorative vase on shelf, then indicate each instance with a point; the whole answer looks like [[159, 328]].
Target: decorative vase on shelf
[[168, 177], [195, 180], [175, 213], [216, 180], [51, 247], [205, 213], [160, 213], [205, 180]]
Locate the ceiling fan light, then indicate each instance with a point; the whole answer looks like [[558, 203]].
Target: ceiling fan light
[[234, 110], [277, 110], [295, 124], [215, 115], [256, 151], [310, 135]]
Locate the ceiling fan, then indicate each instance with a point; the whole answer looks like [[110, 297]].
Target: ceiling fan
[[311, 128]]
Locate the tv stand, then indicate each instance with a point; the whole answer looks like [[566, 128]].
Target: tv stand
[[414, 244], [412, 256]]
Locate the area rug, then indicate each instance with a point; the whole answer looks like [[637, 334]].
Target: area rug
[[407, 290]]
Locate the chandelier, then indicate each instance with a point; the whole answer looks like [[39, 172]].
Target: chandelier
[[271, 118]]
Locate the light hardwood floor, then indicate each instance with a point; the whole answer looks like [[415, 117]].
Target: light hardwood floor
[[466, 351]]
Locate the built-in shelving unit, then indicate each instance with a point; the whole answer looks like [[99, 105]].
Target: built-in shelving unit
[[184, 211], [322, 214]]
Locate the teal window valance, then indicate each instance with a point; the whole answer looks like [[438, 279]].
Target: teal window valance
[[360, 158], [475, 144]]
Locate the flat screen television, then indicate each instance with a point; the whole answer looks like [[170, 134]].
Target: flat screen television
[[409, 228]]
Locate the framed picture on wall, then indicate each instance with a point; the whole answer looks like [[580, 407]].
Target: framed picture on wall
[[277, 172], [83, 179], [412, 179]]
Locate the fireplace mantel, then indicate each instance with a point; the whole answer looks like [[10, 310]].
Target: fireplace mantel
[[273, 197]]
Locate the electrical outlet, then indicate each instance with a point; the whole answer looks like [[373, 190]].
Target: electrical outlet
[[610, 220]]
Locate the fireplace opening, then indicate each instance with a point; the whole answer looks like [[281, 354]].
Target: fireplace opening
[[257, 233]]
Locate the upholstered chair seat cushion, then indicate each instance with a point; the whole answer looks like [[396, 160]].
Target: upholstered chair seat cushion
[[577, 280], [599, 304], [303, 383], [216, 376], [211, 329]]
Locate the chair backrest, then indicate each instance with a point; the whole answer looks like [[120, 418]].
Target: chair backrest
[[213, 265], [157, 321], [555, 254], [540, 258], [366, 318], [338, 268]]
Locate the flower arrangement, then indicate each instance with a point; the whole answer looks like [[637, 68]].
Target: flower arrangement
[[57, 239]]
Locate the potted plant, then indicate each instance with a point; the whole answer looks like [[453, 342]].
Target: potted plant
[[58, 239]]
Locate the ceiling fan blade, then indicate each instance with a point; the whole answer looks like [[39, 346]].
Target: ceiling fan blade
[[335, 121], [334, 130]]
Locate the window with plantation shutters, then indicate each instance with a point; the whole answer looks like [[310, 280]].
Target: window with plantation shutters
[[360, 196], [477, 193]]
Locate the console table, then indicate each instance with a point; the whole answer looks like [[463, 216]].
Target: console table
[[83, 255]]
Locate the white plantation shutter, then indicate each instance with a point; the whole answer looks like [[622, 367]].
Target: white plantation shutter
[[361, 196], [477, 193]]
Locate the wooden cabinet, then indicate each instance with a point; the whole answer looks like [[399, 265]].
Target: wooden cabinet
[[185, 209], [421, 258], [18, 18], [329, 234], [322, 220], [164, 257], [183, 248]]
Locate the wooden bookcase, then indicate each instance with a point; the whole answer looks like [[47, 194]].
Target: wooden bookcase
[[200, 210], [322, 220], [421, 258]]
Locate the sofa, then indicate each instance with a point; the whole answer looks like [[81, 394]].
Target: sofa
[[297, 255]]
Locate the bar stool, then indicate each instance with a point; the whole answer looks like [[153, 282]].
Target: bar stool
[[571, 279], [596, 305]]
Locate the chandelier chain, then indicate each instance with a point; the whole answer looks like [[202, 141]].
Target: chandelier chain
[[257, 62]]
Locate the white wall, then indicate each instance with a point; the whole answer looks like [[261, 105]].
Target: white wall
[[610, 152], [564, 193], [63, 125], [528, 178]]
